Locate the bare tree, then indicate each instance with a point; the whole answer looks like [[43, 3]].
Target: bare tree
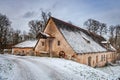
[[10, 36], [112, 30], [117, 36], [4, 30], [35, 27], [112, 35], [25, 36], [45, 16], [16, 37], [96, 26], [102, 29], [92, 25]]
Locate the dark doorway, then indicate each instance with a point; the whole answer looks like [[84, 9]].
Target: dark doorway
[[89, 61]]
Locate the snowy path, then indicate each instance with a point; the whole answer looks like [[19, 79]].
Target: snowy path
[[37, 68], [29, 69]]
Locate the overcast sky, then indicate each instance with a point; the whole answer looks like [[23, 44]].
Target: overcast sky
[[77, 11]]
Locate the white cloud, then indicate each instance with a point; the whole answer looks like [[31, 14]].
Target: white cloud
[[76, 11], [29, 14]]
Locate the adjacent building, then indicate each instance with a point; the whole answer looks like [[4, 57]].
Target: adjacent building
[[24, 48]]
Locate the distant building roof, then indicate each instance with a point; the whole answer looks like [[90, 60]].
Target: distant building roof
[[28, 43], [82, 41]]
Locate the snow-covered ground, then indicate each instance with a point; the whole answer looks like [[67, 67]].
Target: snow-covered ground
[[112, 70], [44, 68]]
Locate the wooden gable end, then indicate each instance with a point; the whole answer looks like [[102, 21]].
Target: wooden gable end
[[59, 43], [54, 31]]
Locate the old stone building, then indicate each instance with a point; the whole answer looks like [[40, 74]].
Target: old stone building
[[66, 40]]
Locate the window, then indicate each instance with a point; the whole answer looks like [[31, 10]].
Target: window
[[42, 43], [111, 55], [58, 43], [93, 62], [101, 57], [89, 60], [22, 51], [96, 59], [104, 57]]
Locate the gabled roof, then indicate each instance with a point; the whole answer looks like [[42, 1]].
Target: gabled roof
[[26, 44], [79, 39]]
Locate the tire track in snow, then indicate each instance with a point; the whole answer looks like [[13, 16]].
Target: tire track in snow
[[52, 73], [27, 70], [24, 71], [33, 69], [21, 71]]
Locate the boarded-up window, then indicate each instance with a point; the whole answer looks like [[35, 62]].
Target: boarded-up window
[[58, 43]]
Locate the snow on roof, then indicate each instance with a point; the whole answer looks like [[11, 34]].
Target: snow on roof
[[79, 39], [79, 44], [112, 48], [29, 43], [104, 42], [45, 34]]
